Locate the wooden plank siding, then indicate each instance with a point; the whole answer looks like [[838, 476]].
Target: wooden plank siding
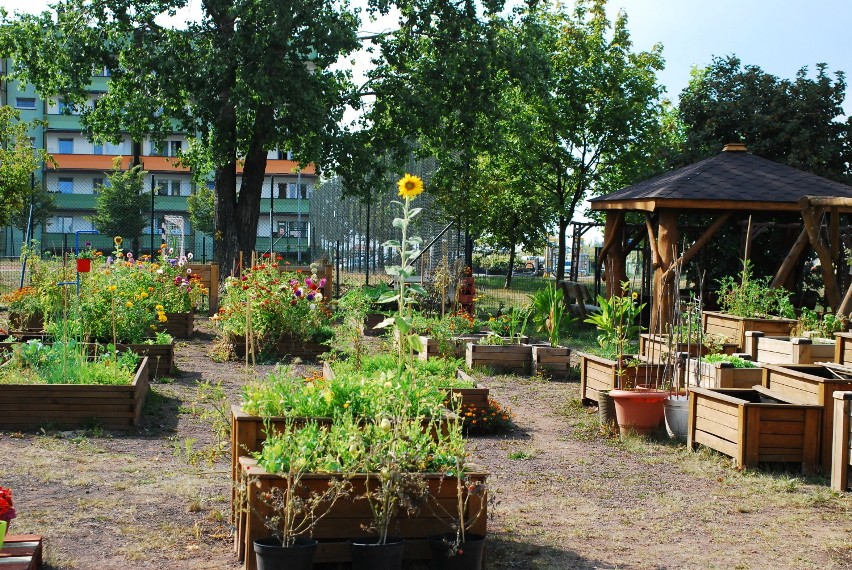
[[733, 328], [786, 350]]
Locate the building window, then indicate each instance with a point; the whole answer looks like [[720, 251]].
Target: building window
[[285, 155], [169, 188], [65, 108], [114, 149], [25, 103], [97, 149], [66, 146], [66, 185], [292, 229], [96, 185], [175, 148], [156, 149], [297, 190], [66, 224]]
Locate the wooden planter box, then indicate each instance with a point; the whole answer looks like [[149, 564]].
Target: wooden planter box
[[734, 328], [843, 348], [179, 325], [755, 426], [475, 398], [786, 350], [209, 275], [161, 357], [31, 324], [505, 358], [598, 373], [370, 323], [655, 347], [74, 405], [720, 375], [841, 442], [286, 347], [346, 517], [554, 362], [811, 384], [453, 348]]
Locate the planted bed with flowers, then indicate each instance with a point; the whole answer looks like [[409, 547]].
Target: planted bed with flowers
[[275, 312]]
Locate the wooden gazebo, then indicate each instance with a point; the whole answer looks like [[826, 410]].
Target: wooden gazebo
[[732, 182]]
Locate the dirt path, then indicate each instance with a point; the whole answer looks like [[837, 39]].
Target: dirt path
[[568, 498]]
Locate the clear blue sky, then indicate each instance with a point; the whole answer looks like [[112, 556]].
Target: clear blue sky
[[779, 36]]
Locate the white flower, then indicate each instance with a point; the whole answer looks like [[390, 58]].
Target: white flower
[[318, 296], [385, 424], [181, 263], [189, 256], [188, 271], [159, 272], [313, 306]]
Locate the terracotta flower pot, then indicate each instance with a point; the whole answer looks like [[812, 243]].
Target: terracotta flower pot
[[638, 411]]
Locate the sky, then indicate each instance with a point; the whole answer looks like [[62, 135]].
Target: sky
[[780, 36]]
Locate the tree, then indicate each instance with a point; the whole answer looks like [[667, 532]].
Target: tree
[[121, 208], [589, 102], [202, 210], [247, 77], [797, 122], [18, 161], [43, 205]]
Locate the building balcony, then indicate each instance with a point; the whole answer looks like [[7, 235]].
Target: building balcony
[[103, 163]]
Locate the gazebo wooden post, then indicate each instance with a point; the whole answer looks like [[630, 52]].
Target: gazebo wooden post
[[613, 252], [664, 278]]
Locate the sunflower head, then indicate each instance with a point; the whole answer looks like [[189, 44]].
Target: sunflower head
[[117, 240], [410, 186]]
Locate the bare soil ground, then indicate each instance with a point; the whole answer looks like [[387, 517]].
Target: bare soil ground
[[567, 496]]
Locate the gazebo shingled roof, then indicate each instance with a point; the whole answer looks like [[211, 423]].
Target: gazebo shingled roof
[[732, 180]]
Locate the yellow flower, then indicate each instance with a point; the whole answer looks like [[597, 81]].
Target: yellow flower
[[128, 304], [162, 317], [635, 295], [143, 294], [159, 308], [117, 240], [112, 288], [410, 186]]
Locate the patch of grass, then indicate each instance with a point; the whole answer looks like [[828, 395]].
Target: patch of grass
[[523, 454]]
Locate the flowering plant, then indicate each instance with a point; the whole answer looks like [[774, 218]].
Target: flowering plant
[[7, 510], [617, 321], [272, 304], [87, 252]]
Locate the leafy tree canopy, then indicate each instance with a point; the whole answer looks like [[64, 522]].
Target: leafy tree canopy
[[18, 161], [122, 206], [799, 122]]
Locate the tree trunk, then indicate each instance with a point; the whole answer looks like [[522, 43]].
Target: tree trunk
[[511, 270]]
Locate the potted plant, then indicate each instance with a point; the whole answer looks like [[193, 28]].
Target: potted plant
[[550, 315], [638, 402], [84, 258], [294, 508]]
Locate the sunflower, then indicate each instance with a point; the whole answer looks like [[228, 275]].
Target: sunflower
[[117, 240], [410, 186]]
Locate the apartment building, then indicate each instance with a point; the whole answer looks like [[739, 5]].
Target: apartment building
[[79, 167]]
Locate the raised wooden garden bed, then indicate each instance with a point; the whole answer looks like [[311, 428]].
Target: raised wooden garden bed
[[504, 358], [347, 516], [787, 350], [285, 347], [811, 384], [208, 273], [74, 405], [656, 347], [732, 328], [843, 348], [161, 357], [179, 325], [841, 442], [598, 373], [720, 375], [371, 321], [475, 398], [755, 426], [451, 348], [554, 362]]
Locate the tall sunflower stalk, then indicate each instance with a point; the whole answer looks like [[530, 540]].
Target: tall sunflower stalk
[[409, 188]]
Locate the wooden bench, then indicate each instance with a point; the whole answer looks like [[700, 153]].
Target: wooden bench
[[577, 299], [21, 552]]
